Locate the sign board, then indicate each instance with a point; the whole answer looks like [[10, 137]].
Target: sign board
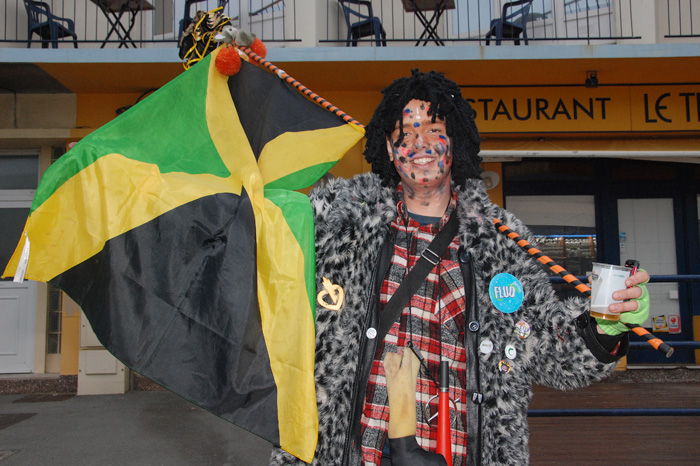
[[580, 109]]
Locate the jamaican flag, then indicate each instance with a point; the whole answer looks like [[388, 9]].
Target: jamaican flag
[[177, 228]]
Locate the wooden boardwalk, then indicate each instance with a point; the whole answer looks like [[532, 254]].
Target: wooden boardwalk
[[607, 440]]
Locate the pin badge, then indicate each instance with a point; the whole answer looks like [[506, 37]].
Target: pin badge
[[506, 292], [334, 292], [523, 329], [371, 333], [504, 366], [511, 352], [486, 347]]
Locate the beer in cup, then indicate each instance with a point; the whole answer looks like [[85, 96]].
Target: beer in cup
[[606, 279]]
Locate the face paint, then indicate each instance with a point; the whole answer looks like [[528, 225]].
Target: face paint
[[423, 159]]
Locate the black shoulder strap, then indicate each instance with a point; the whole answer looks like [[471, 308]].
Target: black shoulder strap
[[410, 284]]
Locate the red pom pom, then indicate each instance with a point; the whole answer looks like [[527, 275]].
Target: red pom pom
[[228, 62], [258, 47]]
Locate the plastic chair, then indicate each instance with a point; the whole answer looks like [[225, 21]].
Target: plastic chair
[[47, 26], [511, 25], [189, 15], [368, 25]]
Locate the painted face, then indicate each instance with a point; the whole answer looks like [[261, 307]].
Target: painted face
[[424, 157]]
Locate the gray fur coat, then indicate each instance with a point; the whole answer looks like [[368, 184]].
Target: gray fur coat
[[352, 218]]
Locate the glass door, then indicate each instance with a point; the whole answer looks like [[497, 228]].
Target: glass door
[[647, 232]]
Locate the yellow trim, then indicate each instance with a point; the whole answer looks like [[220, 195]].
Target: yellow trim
[[70, 336]]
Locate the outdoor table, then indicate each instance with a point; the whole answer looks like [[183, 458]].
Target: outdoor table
[[114, 10], [419, 8]]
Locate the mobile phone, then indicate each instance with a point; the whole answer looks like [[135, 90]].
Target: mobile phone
[[633, 264]]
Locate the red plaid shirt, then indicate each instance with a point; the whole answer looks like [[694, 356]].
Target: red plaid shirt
[[434, 321]]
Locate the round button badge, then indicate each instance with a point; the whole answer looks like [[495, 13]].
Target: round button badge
[[486, 347], [504, 366], [522, 328], [506, 292], [371, 333], [511, 352]]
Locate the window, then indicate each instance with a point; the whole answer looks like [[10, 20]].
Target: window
[[541, 9], [54, 312], [581, 6], [19, 172], [257, 7], [564, 230], [162, 17], [19, 176], [53, 324], [472, 18]]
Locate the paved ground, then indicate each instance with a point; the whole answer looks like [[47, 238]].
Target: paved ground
[[137, 428], [150, 428]]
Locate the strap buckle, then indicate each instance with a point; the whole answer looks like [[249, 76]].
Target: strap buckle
[[433, 258]]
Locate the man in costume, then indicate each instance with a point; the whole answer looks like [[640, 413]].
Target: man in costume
[[485, 307]]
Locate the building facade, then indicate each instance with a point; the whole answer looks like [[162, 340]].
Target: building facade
[[590, 120]]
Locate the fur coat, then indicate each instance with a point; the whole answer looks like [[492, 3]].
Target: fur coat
[[352, 219]]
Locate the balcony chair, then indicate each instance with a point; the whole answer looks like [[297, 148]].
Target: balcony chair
[[47, 26], [368, 25], [511, 24], [189, 15]]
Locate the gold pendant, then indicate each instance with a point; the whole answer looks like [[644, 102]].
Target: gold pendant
[[334, 292]]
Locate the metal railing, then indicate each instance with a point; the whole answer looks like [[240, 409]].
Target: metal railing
[[614, 412], [451, 22], [636, 345], [683, 18], [643, 345], [308, 23], [137, 23]]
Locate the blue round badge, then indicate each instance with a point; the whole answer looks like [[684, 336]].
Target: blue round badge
[[506, 292]]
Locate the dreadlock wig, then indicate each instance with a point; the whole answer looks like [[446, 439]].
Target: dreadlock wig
[[446, 102]]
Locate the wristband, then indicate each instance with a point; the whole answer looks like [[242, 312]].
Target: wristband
[[634, 317]]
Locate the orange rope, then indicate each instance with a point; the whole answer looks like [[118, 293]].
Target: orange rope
[[584, 289], [300, 87]]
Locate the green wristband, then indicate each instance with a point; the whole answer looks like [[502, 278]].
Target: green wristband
[[635, 317]]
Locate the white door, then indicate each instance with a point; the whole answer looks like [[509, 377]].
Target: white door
[[17, 300], [17, 324], [647, 234]]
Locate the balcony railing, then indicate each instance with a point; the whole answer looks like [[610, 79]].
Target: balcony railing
[[552, 21], [311, 23], [142, 23], [683, 18]]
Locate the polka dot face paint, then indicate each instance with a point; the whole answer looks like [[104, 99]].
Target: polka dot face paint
[[423, 158]]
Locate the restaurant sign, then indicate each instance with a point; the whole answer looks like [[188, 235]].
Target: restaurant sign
[[579, 109]]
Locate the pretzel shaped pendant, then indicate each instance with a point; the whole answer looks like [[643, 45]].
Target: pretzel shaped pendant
[[334, 292]]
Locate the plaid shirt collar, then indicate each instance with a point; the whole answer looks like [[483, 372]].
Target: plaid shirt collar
[[404, 214]]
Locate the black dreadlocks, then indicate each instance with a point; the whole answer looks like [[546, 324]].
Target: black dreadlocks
[[446, 102]]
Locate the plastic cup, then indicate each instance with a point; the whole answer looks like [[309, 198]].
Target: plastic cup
[[606, 279]]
